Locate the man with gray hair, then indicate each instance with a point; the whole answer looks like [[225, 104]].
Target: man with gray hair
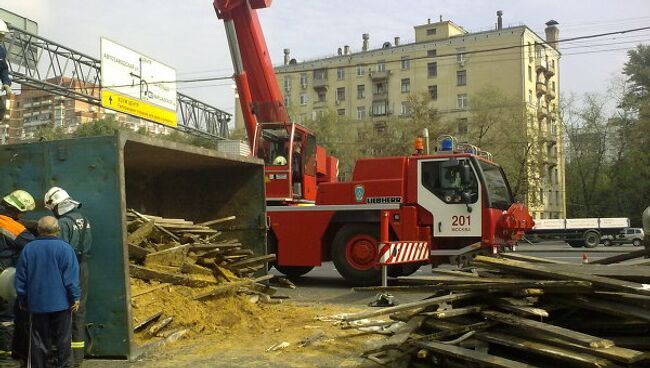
[[47, 285]]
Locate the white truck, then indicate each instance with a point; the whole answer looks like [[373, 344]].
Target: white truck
[[578, 232]]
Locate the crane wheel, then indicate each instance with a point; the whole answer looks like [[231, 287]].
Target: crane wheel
[[293, 271], [354, 253]]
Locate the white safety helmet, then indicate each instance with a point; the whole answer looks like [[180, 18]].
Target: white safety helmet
[[3, 28], [280, 160], [56, 196]]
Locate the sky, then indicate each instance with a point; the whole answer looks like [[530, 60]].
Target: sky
[[188, 36]]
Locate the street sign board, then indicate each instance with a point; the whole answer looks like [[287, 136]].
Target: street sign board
[[135, 84]]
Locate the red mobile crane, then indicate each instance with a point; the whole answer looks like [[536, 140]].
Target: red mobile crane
[[456, 202]]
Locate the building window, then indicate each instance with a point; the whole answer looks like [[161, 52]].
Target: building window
[[380, 88], [381, 66], [462, 101], [530, 74], [287, 101], [361, 112], [433, 92], [432, 53], [340, 112], [553, 86], [303, 80], [530, 96], [321, 96], [379, 108], [432, 69], [406, 85], [431, 31], [460, 55], [406, 108], [462, 126], [340, 94], [303, 99], [340, 73], [287, 83], [461, 77], [361, 91], [320, 74], [361, 70], [406, 63]]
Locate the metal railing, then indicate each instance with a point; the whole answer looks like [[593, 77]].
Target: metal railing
[[45, 65]]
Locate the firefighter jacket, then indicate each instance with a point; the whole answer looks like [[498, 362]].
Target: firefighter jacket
[[13, 237], [75, 229]]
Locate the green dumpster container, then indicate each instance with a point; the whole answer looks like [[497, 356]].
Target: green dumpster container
[[112, 173]]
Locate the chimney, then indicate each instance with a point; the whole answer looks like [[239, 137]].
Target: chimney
[[286, 56], [552, 34], [346, 50], [366, 38], [339, 52], [396, 41], [499, 19]]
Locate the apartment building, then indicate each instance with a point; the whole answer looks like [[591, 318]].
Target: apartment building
[[451, 65]]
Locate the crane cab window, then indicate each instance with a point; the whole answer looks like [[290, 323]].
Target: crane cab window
[[449, 179], [273, 147]]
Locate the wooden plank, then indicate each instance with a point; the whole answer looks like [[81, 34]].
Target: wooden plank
[[217, 221], [617, 271], [569, 357], [457, 280], [149, 290], [622, 257], [137, 252], [230, 286], [409, 306], [560, 273], [148, 274], [153, 331], [522, 257], [169, 257], [552, 330], [632, 342], [253, 261], [402, 334], [138, 236], [454, 312], [612, 308], [213, 246], [146, 321], [615, 353], [472, 356], [160, 228]]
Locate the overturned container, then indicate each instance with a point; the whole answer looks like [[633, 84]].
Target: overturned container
[[112, 173]]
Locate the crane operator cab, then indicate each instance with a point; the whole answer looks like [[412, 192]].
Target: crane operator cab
[[289, 153]]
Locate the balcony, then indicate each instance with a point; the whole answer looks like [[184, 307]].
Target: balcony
[[550, 95], [321, 83], [320, 103], [541, 89], [380, 96], [379, 75], [550, 71], [541, 113], [540, 64]]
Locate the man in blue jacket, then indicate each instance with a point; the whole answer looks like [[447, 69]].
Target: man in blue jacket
[[47, 285]]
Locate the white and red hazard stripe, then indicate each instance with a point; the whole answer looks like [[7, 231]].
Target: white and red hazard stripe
[[403, 252]]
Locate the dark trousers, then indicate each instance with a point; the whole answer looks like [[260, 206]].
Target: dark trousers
[[49, 329], [20, 339], [79, 318]]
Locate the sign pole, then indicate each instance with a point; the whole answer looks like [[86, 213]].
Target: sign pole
[[382, 242], [383, 299]]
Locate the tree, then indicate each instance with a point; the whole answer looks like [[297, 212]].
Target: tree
[[498, 123]]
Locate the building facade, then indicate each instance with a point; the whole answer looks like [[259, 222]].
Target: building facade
[[451, 65]]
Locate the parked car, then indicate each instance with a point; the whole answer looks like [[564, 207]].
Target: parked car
[[626, 236]]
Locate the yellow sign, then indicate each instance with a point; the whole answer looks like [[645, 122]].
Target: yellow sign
[[118, 102]]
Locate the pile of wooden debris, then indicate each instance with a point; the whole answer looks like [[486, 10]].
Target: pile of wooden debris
[[520, 311], [176, 258]]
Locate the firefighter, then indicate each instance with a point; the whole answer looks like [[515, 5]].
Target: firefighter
[[75, 229], [13, 238]]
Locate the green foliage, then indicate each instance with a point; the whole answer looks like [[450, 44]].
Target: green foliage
[[609, 169], [106, 126]]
